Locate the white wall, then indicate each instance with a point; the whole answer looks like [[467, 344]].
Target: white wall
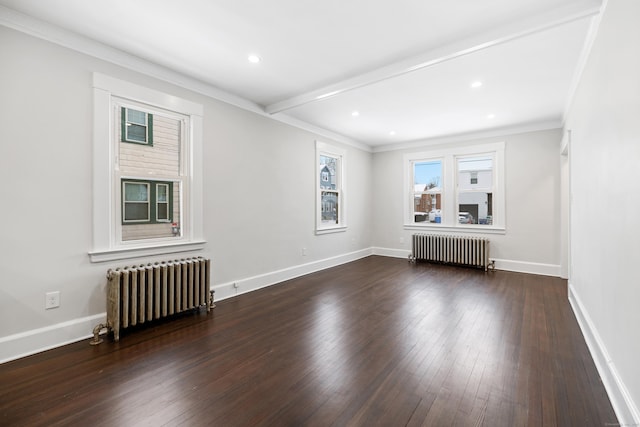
[[605, 229], [259, 195], [532, 239]]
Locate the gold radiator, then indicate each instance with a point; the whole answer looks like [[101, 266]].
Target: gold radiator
[[143, 293], [459, 250]]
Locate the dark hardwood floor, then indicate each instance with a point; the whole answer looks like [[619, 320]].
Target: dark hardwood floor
[[374, 342]]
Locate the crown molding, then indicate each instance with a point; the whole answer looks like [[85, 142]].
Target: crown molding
[[470, 136], [51, 33], [583, 59]]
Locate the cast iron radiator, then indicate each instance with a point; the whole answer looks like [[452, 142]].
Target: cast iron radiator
[[459, 250], [144, 293]]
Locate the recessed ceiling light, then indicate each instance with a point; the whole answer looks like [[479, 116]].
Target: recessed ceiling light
[[491, 116], [393, 132], [355, 113], [254, 59], [476, 84]]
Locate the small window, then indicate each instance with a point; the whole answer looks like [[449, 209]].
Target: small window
[[162, 203], [137, 206], [330, 213], [137, 126]]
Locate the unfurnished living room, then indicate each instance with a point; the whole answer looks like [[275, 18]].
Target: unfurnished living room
[[297, 213]]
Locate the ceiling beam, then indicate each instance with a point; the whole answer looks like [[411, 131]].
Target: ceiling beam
[[504, 34]]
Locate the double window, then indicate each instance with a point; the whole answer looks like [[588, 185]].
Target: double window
[[459, 188], [146, 202]]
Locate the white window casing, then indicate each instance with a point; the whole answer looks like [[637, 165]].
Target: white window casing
[[109, 95], [449, 188]]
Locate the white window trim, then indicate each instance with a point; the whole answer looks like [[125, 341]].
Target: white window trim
[[449, 189], [323, 148], [106, 205]]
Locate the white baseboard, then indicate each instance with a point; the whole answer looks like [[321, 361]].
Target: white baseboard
[[393, 253], [528, 267], [625, 408], [37, 340], [227, 290], [501, 264]]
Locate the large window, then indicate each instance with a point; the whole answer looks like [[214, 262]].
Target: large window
[[147, 172], [460, 188], [330, 213]]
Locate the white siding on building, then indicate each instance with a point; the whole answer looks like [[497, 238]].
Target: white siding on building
[[158, 161]]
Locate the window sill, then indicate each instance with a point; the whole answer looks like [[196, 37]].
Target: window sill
[[470, 229], [140, 251], [331, 230]]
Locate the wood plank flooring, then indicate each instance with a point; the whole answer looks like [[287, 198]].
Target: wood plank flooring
[[375, 342]]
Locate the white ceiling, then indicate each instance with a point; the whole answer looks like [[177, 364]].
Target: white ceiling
[[406, 66]]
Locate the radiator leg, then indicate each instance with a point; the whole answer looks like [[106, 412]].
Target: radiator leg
[[211, 303], [96, 334]]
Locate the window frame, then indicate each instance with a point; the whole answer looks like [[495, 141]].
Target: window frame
[[324, 149], [107, 244], [449, 188]]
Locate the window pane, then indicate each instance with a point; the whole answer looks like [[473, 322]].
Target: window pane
[[475, 208], [136, 133], [138, 117], [328, 169], [134, 192], [427, 175], [329, 206], [475, 173], [427, 198], [136, 211], [162, 191], [427, 207], [163, 212]]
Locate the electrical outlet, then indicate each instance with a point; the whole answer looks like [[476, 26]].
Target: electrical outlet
[[52, 300], [402, 240], [304, 251]]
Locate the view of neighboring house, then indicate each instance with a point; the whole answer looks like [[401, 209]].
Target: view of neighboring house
[[475, 191], [427, 199], [329, 199]]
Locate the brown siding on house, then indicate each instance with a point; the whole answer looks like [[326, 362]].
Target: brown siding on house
[[161, 159]]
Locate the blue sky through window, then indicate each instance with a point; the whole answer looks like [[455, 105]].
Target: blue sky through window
[[428, 173]]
